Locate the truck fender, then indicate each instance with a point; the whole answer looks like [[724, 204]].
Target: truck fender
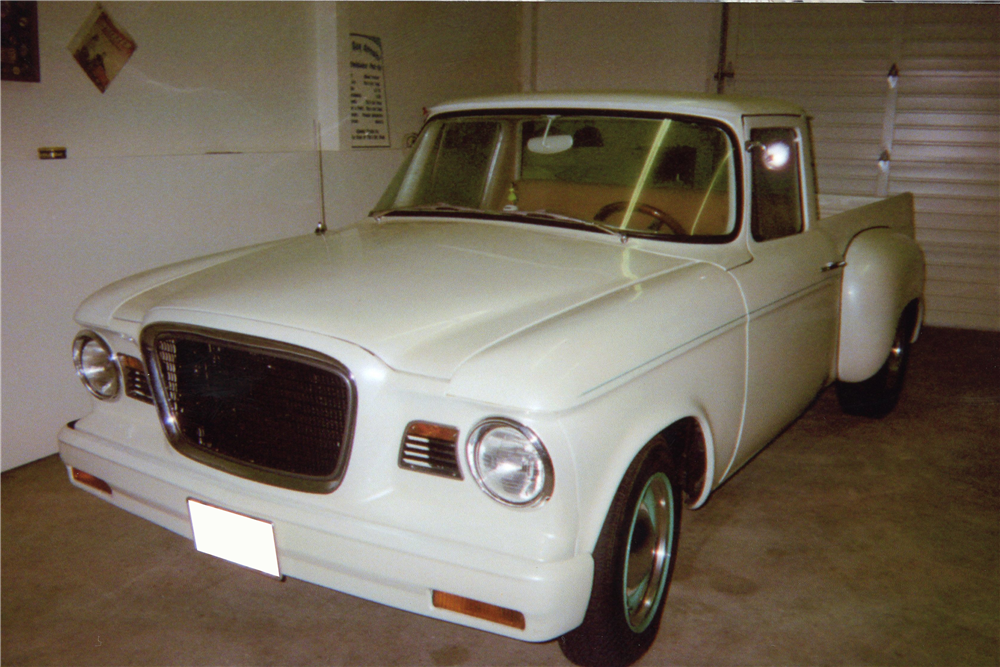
[[884, 273], [689, 443]]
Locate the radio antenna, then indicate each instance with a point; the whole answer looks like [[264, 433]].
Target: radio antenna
[[321, 227]]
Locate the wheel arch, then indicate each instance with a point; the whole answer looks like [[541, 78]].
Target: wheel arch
[[917, 324], [688, 443], [883, 277]]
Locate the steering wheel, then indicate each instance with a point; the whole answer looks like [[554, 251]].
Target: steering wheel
[[661, 218]]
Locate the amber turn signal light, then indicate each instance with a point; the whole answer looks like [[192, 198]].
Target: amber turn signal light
[[91, 481], [483, 610], [432, 431]]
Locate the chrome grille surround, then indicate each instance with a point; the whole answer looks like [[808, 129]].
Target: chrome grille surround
[[260, 409]]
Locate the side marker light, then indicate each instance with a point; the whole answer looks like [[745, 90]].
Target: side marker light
[[91, 481], [483, 610]]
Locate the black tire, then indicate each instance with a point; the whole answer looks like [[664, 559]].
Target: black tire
[[633, 565], [878, 395]]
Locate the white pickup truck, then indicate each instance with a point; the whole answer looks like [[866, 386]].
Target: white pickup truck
[[487, 402]]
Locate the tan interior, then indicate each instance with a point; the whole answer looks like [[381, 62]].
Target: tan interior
[[581, 200]]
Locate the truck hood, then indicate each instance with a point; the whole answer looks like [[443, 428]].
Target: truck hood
[[423, 295]]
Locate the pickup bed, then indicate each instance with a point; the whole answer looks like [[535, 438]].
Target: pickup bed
[[488, 402]]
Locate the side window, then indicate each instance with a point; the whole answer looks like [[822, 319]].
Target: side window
[[777, 192]]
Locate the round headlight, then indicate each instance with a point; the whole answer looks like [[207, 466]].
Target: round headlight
[[95, 364], [510, 463]]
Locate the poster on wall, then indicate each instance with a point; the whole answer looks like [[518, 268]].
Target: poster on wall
[[19, 49], [102, 48], [369, 115]]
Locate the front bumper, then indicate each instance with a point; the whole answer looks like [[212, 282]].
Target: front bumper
[[383, 564]]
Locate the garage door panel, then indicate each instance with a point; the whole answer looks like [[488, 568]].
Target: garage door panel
[[834, 22], [958, 66], [987, 175], [945, 21], [821, 102], [822, 63], [946, 289], [986, 309], [980, 278], [858, 186], [939, 135], [958, 320], [965, 86], [940, 123], [978, 154], [972, 206], [848, 117], [928, 47], [860, 152], [957, 236], [805, 86], [989, 105], [944, 187], [847, 134], [944, 119]]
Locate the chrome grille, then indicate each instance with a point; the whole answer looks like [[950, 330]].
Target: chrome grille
[[260, 409]]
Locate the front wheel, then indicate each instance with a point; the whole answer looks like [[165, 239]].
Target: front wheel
[[633, 564]]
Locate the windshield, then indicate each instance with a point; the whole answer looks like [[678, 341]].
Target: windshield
[[661, 177]]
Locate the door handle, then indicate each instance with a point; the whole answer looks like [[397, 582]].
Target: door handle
[[830, 266]]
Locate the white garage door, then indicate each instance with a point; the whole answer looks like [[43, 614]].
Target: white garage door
[[935, 123]]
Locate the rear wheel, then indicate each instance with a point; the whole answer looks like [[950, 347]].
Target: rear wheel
[[878, 395], [633, 564]]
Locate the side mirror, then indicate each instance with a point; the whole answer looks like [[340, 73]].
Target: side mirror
[[774, 156]]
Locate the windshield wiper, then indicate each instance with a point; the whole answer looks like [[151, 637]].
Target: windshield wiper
[[540, 214], [559, 217], [440, 207]]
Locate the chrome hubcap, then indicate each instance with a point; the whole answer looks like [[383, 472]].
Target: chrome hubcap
[[896, 355], [647, 560]]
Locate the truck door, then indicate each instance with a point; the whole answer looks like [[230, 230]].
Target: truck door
[[792, 284]]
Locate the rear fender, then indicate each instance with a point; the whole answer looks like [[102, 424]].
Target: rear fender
[[884, 273]]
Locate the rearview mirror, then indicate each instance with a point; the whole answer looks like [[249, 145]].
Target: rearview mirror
[[550, 144]]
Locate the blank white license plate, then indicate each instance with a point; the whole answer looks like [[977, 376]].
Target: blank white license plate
[[237, 538]]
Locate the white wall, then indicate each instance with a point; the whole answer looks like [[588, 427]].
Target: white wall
[[433, 52], [436, 51], [138, 189], [256, 80], [205, 77], [647, 46]]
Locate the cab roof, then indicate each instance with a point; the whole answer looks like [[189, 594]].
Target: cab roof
[[726, 107]]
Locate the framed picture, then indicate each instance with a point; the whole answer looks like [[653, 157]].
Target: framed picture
[[19, 46], [102, 48], [369, 116]]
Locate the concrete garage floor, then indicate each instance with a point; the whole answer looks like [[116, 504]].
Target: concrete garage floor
[[846, 542]]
